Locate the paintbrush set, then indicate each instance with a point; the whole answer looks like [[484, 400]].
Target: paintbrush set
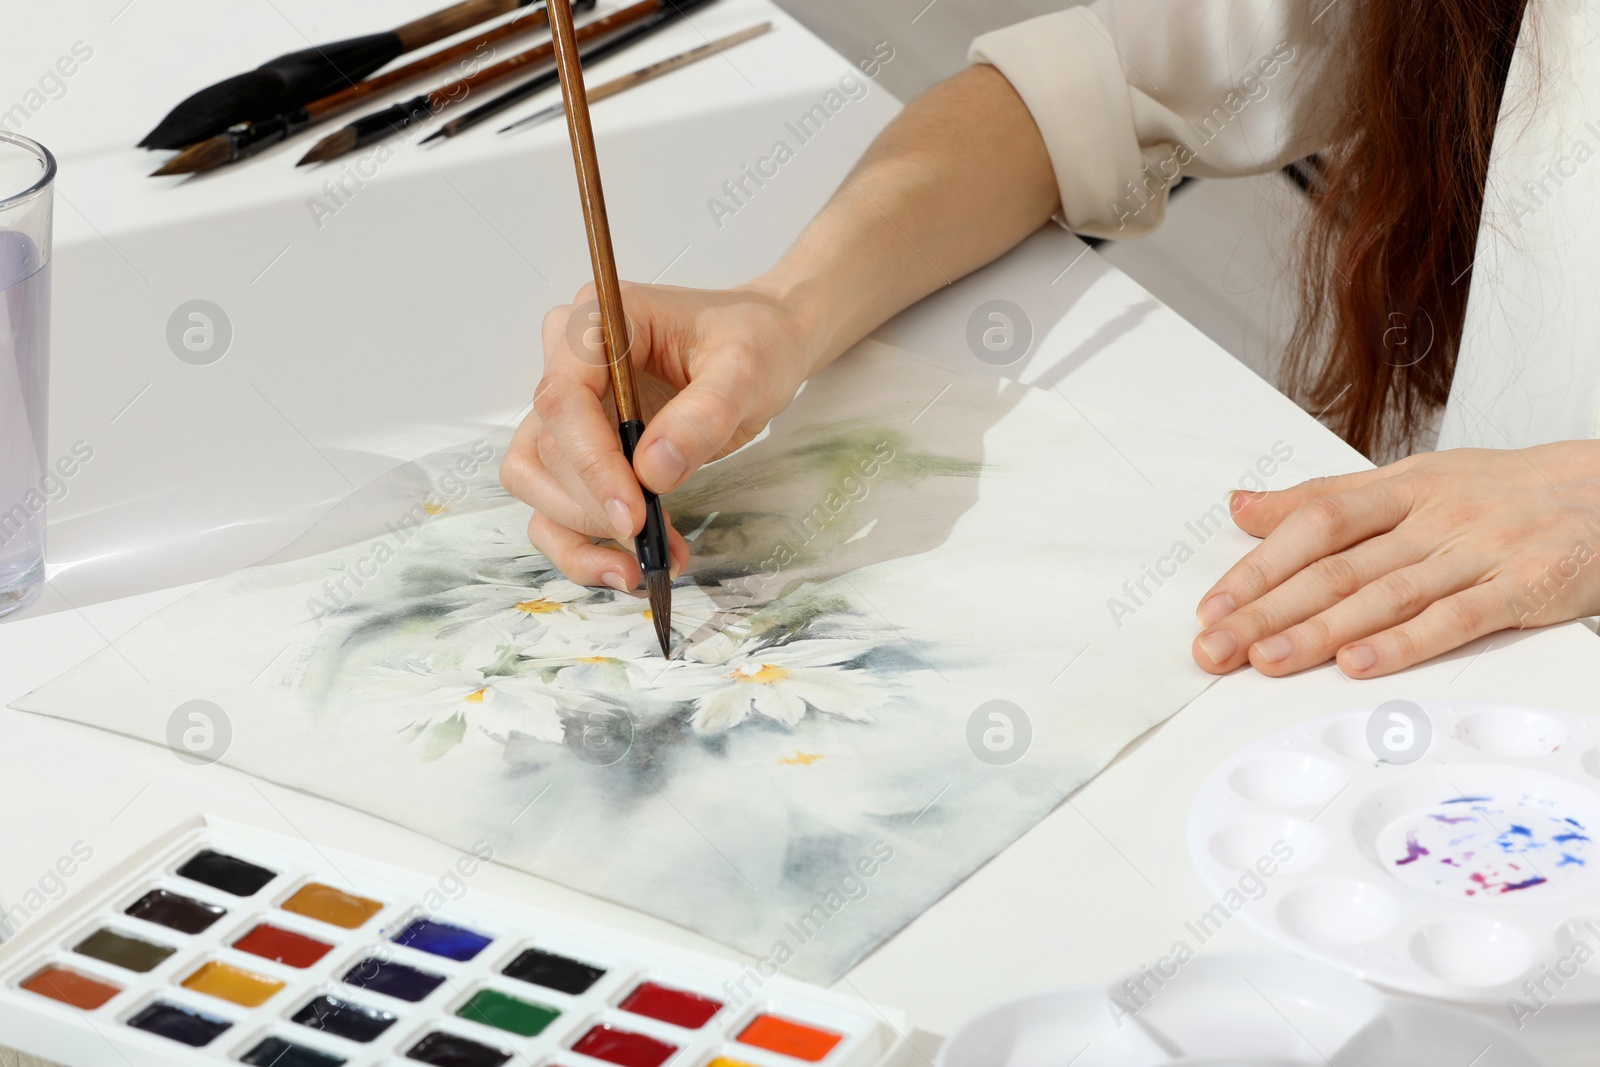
[[248, 113]]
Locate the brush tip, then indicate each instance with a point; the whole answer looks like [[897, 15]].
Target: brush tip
[[434, 136], [335, 144], [207, 155], [659, 586]]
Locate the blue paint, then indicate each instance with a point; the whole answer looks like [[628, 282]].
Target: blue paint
[[442, 939], [183, 1025], [1569, 860], [1468, 800], [392, 979]]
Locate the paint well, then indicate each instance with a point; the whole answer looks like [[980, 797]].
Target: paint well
[[448, 1050], [120, 950], [392, 979], [564, 975], [227, 873], [723, 1061], [332, 906], [70, 987], [674, 1006], [788, 1038], [175, 911], [183, 1025], [494, 1008], [233, 984], [442, 939], [623, 1047], [341, 1018], [276, 1052], [282, 946]]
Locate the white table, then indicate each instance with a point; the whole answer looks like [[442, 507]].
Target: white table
[[329, 383]]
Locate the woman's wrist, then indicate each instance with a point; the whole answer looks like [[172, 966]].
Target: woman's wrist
[[803, 302]]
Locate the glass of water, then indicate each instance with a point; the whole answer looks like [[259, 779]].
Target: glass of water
[[27, 174]]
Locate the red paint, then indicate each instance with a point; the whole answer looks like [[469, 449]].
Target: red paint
[[272, 943], [671, 1005], [623, 1047]]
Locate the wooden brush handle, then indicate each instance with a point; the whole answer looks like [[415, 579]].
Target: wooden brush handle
[[607, 289], [672, 63], [447, 94], [452, 20], [350, 96]]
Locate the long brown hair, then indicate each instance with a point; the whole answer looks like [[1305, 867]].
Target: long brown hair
[[1388, 257]]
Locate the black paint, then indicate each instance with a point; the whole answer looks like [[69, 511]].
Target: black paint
[[343, 1019], [227, 873], [564, 975], [448, 1050], [175, 911]]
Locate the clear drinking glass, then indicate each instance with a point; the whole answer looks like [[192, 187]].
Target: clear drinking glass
[[27, 171]]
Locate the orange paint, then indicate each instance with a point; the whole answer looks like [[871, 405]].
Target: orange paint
[[70, 987], [233, 984], [723, 1061], [332, 906], [791, 1039]]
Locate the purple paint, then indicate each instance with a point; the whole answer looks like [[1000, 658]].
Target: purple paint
[[1414, 851]]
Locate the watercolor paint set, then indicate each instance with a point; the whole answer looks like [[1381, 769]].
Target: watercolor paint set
[[1471, 873], [222, 944]]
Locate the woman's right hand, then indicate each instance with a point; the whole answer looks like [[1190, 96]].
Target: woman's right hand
[[713, 367]]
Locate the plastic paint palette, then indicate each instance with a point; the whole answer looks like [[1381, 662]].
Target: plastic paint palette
[[223, 944], [1460, 875]]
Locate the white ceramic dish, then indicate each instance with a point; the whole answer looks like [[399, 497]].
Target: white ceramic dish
[[1230, 1010], [1462, 875]]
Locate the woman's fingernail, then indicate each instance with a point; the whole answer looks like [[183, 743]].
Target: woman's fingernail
[[621, 521], [1215, 608], [615, 581], [1274, 649], [1360, 658], [1219, 645], [667, 461], [1239, 499], [675, 572]]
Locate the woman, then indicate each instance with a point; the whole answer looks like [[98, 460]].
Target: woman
[[1090, 114]]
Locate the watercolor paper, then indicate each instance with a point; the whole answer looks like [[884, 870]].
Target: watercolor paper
[[924, 608]]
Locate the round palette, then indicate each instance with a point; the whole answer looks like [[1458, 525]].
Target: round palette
[[1464, 873]]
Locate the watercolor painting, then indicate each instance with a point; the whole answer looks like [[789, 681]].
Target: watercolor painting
[[902, 558]]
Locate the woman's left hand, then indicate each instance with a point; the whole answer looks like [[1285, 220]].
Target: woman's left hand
[[1389, 567]]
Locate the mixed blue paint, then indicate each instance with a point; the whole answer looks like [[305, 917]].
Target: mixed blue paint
[[1480, 846]]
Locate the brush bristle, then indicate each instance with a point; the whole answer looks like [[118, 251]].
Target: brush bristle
[[659, 585], [330, 147], [213, 109], [207, 155]]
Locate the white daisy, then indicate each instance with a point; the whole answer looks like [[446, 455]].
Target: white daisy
[[731, 680]]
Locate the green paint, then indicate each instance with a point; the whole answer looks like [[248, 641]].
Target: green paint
[[121, 951], [508, 1013]]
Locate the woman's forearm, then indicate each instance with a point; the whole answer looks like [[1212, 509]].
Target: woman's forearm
[[956, 180]]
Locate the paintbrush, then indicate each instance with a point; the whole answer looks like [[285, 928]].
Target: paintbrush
[[245, 139], [651, 543], [380, 124], [660, 20], [644, 74], [293, 80]]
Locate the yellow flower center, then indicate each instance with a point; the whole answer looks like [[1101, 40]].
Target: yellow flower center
[[765, 675], [476, 696], [538, 607], [801, 759], [594, 659], [648, 614], [433, 508]]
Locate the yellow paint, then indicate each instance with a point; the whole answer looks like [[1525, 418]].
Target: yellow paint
[[723, 1061], [475, 697], [801, 759], [327, 904], [538, 607], [765, 676], [233, 984], [433, 508]]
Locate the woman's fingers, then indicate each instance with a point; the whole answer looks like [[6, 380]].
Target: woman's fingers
[[584, 453], [1302, 596], [1320, 527], [1446, 624], [579, 558], [1258, 514], [1392, 600], [696, 426]]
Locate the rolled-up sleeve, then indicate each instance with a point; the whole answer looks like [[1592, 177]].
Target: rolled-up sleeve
[[1130, 95]]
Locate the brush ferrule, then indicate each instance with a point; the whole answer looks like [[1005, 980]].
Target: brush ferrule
[[651, 544], [380, 124]]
